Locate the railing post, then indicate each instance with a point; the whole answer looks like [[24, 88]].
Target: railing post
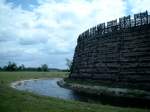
[[146, 17]]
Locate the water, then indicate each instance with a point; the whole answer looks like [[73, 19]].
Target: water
[[49, 87]]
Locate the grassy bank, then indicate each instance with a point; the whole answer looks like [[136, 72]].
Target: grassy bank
[[112, 84], [12, 100], [111, 94], [108, 88]]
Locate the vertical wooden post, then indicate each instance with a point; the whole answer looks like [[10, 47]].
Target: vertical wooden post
[[146, 17]]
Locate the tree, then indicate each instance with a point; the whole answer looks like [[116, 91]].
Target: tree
[[39, 69], [21, 67], [69, 64], [5, 68], [44, 67], [11, 66]]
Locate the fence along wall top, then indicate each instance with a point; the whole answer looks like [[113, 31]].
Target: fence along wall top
[[124, 22]]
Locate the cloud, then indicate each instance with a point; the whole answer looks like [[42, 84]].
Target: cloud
[[138, 5], [48, 32]]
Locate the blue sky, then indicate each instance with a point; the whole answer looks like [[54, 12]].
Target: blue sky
[[34, 32]]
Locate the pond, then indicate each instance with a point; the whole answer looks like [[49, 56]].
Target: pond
[[46, 87], [49, 87]]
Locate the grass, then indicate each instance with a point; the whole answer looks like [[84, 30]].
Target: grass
[[98, 89], [6, 77], [113, 84], [12, 100]]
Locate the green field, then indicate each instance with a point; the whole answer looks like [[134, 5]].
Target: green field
[[12, 100]]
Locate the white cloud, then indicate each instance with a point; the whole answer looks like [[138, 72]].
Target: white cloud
[[139, 5]]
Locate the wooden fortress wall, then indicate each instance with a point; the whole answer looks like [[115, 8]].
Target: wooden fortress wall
[[115, 52]]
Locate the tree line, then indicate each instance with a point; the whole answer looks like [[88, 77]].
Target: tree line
[[12, 66]]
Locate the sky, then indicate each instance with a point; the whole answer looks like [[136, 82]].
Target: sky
[[35, 32]]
